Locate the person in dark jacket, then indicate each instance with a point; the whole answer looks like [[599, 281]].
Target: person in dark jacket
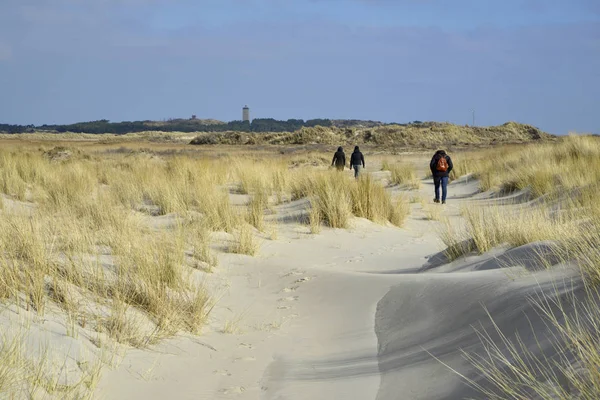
[[440, 165], [339, 159], [357, 161]]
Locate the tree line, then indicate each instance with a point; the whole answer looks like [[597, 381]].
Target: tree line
[[179, 125], [192, 125]]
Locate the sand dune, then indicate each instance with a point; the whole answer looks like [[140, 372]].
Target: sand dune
[[429, 312], [372, 312]]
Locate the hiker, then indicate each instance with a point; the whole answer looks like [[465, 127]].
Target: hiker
[[357, 161], [339, 159], [440, 165]]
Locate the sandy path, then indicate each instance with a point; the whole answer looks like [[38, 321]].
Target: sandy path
[[305, 300], [343, 314], [307, 320]]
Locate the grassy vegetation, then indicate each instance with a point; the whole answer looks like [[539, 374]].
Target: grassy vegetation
[[335, 199], [510, 368], [64, 210], [563, 181], [120, 243], [245, 242], [427, 135], [31, 373], [564, 178], [432, 212], [64, 214], [402, 174], [544, 169]]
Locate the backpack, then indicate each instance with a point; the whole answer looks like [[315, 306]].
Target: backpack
[[442, 164]]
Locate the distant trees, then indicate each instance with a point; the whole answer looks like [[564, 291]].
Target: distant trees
[[174, 125], [318, 122], [16, 128]]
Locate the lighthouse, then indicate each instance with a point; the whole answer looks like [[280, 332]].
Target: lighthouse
[[246, 114]]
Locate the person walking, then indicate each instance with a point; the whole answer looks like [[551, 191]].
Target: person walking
[[357, 161], [339, 159], [440, 165]]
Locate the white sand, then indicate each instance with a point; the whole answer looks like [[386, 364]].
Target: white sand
[[340, 315]]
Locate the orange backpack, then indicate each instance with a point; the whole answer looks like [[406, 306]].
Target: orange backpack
[[442, 164]]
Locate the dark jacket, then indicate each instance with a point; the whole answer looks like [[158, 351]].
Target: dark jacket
[[339, 158], [357, 158], [433, 164]]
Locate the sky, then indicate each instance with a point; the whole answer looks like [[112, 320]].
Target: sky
[[530, 61]]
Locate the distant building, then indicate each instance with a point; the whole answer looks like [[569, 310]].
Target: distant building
[[194, 116], [246, 114]]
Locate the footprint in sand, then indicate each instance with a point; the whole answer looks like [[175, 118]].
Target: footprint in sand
[[244, 359], [355, 260], [233, 390], [246, 345], [305, 279], [222, 372], [290, 298], [284, 307], [290, 289], [296, 273]]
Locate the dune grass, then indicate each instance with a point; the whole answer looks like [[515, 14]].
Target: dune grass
[[245, 242], [563, 178], [386, 164], [37, 373], [404, 174], [198, 236], [120, 244], [259, 201], [370, 200], [433, 212], [568, 369], [315, 219], [335, 199], [426, 135], [66, 214], [545, 169], [330, 195], [79, 207], [511, 369]]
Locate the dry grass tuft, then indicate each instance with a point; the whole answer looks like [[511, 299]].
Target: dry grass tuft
[[405, 174], [330, 194], [25, 375], [370, 200], [245, 242], [386, 165], [315, 220], [334, 199], [256, 209], [399, 211], [433, 212]]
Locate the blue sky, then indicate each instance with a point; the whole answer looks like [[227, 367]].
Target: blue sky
[[532, 61]]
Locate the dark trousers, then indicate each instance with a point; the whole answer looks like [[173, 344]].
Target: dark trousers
[[443, 181]]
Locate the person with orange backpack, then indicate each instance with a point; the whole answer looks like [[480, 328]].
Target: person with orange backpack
[[440, 165]]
